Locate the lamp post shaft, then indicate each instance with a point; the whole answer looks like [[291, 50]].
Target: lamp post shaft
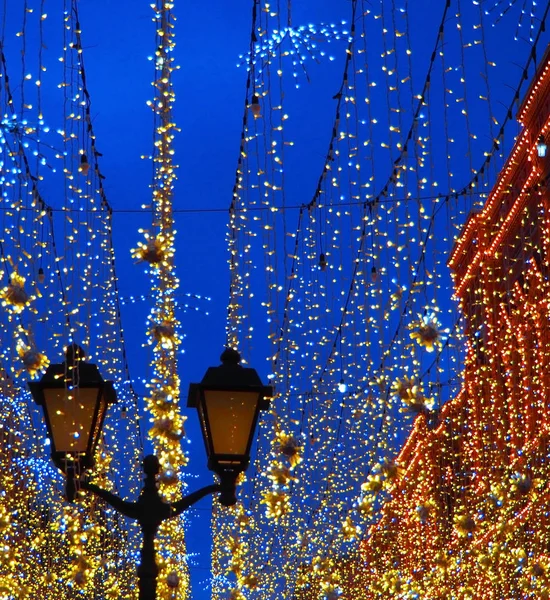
[[148, 570], [150, 511]]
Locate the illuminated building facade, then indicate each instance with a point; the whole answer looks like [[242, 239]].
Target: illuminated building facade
[[467, 515]]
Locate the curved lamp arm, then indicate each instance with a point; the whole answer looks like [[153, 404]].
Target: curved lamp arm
[[128, 509], [176, 508]]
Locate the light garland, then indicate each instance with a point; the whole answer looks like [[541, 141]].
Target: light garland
[[50, 298], [163, 327], [482, 470]]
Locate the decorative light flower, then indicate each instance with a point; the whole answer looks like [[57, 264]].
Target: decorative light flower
[[498, 494], [365, 505], [485, 561], [277, 503], [373, 484], [249, 581], [464, 524], [425, 510], [33, 361], [426, 332], [350, 531], [389, 469], [14, 296], [442, 561], [280, 475], [173, 580], [289, 446], [332, 592], [410, 393], [164, 334], [155, 250], [521, 484]]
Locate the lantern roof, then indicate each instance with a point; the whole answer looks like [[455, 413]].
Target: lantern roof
[[231, 375]]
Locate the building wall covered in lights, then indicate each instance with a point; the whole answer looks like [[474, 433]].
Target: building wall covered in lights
[[467, 515]]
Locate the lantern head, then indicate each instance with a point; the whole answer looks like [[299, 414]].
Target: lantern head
[[228, 401], [74, 399]]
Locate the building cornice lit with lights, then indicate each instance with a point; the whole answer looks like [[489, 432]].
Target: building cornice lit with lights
[[467, 515]]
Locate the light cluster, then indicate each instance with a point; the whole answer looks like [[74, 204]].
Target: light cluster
[[467, 519], [157, 251], [59, 285], [353, 306]]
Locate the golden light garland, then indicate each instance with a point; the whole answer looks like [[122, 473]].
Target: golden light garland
[[483, 468], [158, 252], [50, 298]]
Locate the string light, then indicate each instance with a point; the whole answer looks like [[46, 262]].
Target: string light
[[362, 290]]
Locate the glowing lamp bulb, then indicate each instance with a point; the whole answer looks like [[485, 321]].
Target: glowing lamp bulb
[[342, 387], [255, 107], [84, 165], [541, 147]]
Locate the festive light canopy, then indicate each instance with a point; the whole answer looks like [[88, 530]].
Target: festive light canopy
[[369, 132]]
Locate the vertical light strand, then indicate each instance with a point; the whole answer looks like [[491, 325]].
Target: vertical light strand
[[158, 251]]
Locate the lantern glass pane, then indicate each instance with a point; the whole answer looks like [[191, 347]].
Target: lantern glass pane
[[230, 417], [71, 416]]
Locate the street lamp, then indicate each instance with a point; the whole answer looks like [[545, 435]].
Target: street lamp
[[228, 400], [74, 398]]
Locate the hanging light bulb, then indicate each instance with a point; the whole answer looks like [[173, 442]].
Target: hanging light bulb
[[322, 262], [123, 413], [342, 386], [255, 107], [541, 147], [41, 275], [373, 274], [84, 165]]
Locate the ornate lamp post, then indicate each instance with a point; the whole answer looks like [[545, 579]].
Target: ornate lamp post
[[228, 400]]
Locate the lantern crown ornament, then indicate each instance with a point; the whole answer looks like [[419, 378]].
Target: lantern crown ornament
[[228, 401], [74, 398]]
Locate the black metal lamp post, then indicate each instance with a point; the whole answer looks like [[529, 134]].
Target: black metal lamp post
[[228, 400]]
